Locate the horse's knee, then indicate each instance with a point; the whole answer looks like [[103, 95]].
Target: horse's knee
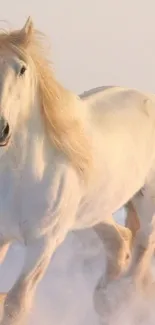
[[110, 236]]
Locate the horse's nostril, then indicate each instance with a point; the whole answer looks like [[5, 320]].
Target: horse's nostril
[[127, 256], [4, 134], [6, 130]]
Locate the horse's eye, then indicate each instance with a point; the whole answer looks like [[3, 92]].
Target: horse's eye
[[22, 70]]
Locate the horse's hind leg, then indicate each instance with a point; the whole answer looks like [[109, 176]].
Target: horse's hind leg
[[117, 241], [127, 234], [107, 296], [145, 206]]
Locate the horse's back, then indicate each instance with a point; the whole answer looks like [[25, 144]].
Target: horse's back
[[94, 91], [115, 95], [116, 107]]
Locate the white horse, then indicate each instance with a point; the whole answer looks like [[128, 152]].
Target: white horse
[[66, 163]]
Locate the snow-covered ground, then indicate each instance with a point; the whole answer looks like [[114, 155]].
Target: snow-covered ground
[[64, 296]]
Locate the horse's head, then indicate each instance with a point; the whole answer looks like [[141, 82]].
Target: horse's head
[[30, 92], [16, 80]]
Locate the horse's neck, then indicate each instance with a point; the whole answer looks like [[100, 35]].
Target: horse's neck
[[31, 147]]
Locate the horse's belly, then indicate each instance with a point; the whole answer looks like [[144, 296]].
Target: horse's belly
[[122, 168], [107, 199]]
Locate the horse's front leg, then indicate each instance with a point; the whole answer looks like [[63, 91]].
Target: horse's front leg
[[4, 246], [19, 298], [3, 250]]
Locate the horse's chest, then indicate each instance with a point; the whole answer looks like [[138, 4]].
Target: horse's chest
[[23, 205]]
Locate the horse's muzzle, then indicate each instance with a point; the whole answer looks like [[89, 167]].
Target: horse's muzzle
[[4, 132]]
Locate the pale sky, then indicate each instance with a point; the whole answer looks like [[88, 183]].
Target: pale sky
[[94, 42]]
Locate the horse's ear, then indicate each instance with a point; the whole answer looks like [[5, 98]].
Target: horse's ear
[[26, 33], [28, 27]]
